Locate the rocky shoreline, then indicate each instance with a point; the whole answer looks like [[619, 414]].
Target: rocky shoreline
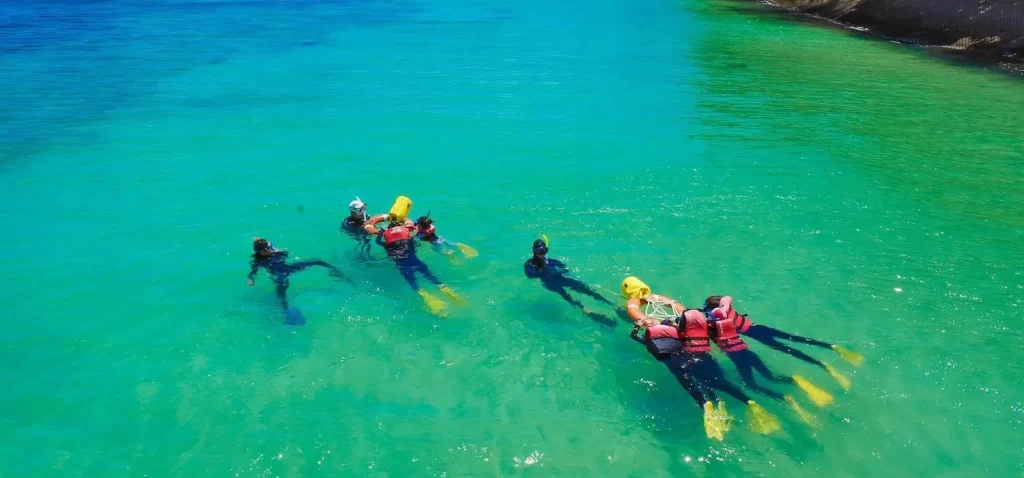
[[987, 31]]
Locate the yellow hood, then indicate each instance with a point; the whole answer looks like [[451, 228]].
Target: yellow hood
[[634, 288]]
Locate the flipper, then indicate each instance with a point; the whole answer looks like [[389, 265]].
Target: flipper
[[716, 422], [853, 358], [451, 293], [467, 250], [293, 316], [803, 414], [435, 305], [816, 394], [841, 379], [760, 420]]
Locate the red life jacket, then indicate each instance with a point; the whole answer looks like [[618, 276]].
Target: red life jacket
[[726, 337], [695, 332], [396, 233], [741, 321], [662, 341]]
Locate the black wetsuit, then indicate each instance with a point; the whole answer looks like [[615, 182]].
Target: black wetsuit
[[439, 243], [354, 228], [770, 337], [746, 362], [279, 269], [554, 275], [699, 374], [404, 253]]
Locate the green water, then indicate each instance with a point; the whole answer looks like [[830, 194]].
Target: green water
[[851, 190]]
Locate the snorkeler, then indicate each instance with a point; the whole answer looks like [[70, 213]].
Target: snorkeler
[[686, 351], [554, 275], [355, 224], [722, 307], [398, 242], [427, 232], [274, 261]]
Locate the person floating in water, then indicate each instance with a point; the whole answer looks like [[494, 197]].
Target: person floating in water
[[355, 225], [721, 306], [554, 276], [657, 309], [427, 232], [275, 262], [398, 243], [686, 352], [723, 332]]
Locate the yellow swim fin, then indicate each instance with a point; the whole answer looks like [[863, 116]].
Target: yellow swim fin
[[436, 306], [452, 257], [841, 379], [761, 421], [467, 250], [716, 422], [854, 358], [802, 413], [816, 394], [450, 293]]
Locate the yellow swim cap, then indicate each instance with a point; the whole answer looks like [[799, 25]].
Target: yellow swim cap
[[635, 288]]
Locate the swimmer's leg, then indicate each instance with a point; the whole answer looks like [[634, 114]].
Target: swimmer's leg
[[564, 294], [585, 289], [745, 362], [765, 335], [408, 270], [282, 293], [760, 419], [762, 368], [715, 377], [423, 269], [780, 334], [716, 419], [700, 392]]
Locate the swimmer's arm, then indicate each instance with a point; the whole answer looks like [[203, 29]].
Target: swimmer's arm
[[635, 335], [254, 268], [531, 271], [370, 226], [639, 318]]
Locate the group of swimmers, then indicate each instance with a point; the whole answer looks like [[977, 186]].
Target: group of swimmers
[[394, 231], [679, 337]]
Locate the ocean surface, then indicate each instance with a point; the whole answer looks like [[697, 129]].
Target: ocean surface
[[848, 189]]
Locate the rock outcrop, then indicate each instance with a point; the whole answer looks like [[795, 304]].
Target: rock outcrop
[[985, 27]]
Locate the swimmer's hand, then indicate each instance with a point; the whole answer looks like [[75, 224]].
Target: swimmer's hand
[[250, 282]]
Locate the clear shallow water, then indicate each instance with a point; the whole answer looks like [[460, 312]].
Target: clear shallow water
[[804, 171]]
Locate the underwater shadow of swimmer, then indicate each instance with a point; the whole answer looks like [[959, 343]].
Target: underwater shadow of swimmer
[[601, 319]]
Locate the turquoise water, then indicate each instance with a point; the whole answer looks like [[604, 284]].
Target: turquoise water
[[704, 147]]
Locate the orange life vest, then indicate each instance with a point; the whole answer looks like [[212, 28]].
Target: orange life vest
[[662, 341], [741, 321], [695, 332], [395, 234], [726, 337]]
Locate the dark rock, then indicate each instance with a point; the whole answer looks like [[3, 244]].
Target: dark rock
[[986, 27]]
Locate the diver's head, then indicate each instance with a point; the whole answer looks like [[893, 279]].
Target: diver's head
[[540, 249], [262, 247], [357, 208], [425, 226], [712, 302]]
